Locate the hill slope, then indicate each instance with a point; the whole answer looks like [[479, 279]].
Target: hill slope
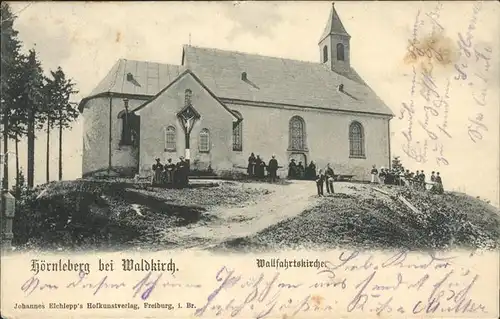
[[361, 218], [115, 215]]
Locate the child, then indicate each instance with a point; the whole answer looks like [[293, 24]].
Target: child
[[320, 179]]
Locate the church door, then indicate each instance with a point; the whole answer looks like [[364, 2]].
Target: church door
[[299, 157]]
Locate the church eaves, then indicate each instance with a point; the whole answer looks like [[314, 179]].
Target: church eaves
[[139, 78], [334, 25]]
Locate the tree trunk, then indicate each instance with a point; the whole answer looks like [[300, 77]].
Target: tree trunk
[[17, 159], [5, 181], [31, 147], [60, 148], [47, 158]]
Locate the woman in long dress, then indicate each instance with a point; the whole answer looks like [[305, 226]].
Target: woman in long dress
[[157, 173], [251, 165], [439, 182], [374, 173]]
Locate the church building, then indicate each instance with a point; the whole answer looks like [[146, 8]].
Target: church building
[[218, 106]]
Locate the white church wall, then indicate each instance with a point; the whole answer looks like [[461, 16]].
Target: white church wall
[[96, 130], [95, 135], [162, 112], [266, 132]]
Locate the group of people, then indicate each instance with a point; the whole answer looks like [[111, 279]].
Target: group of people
[[402, 177], [298, 171], [177, 175], [170, 174], [257, 167], [327, 177]]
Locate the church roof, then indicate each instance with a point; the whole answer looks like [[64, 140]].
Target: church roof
[[280, 81], [267, 79], [334, 25], [137, 77]]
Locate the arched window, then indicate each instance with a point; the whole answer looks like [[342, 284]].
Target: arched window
[[340, 52], [170, 139], [325, 53], [238, 133], [297, 133], [356, 140], [204, 143], [188, 94]]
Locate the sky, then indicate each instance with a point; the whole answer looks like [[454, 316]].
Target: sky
[[462, 125]]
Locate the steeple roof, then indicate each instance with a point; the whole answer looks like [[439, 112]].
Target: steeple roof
[[334, 25]]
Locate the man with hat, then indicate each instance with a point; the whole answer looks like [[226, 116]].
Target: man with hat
[[273, 168]]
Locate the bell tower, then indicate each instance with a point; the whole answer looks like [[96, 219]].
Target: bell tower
[[334, 46]]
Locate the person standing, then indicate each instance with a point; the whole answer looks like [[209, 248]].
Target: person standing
[[251, 165], [180, 172], [329, 176], [381, 175], [291, 169], [273, 168], [439, 182], [257, 166], [157, 172], [413, 179], [374, 173], [311, 171], [422, 181], [433, 177], [320, 179], [262, 169], [300, 171], [169, 169]]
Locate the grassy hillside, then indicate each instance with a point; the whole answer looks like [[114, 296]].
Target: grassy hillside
[[86, 214], [365, 221]]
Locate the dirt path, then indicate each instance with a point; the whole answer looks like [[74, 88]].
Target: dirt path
[[229, 223]]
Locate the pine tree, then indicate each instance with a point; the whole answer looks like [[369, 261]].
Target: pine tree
[[50, 112], [65, 111], [18, 114], [34, 100], [10, 46]]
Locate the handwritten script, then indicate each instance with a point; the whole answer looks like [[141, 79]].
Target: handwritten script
[[474, 68], [401, 283], [429, 96], [439, 64]]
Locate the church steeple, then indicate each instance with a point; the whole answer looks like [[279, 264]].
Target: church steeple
[[334, 44]]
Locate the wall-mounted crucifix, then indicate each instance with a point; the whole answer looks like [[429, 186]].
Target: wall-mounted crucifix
[[188, 116]]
